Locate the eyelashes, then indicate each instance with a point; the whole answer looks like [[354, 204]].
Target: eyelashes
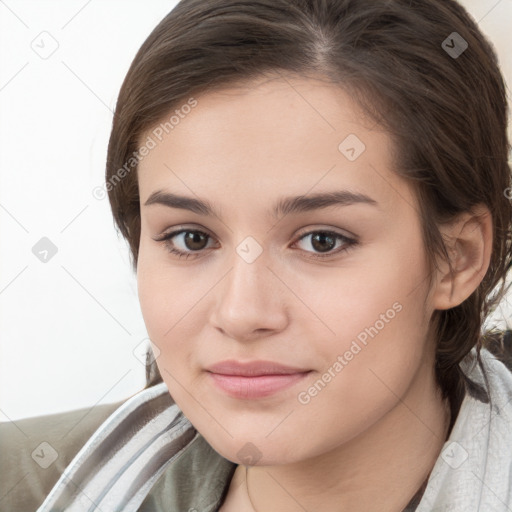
[[318, 236]]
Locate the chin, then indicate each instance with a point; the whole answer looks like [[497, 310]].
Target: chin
[[249, 448]]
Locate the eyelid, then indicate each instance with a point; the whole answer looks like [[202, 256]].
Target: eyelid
[[315, 228], [176, 229]]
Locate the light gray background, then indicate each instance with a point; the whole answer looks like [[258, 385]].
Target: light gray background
[[71, 328]]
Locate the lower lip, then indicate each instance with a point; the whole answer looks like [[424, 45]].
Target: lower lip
[[255, 387]]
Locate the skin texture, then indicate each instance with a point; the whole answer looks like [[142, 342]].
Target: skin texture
[[367, 439]]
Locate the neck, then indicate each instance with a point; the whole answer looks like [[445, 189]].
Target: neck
[[379, 470]]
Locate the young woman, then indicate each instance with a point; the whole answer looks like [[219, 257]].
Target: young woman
[[317, 199]]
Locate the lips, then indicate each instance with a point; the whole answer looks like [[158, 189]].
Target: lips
[[253, 368], [254, 379]]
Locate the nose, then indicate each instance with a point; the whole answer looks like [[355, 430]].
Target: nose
[[250, 301]]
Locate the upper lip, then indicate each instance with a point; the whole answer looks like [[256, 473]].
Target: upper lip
[[253, 368]]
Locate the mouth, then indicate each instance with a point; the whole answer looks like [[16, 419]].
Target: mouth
[[255, 379]]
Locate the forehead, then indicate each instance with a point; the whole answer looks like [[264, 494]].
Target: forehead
[[272, 137]]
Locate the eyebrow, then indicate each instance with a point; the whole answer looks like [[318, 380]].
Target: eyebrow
[[284, 206]]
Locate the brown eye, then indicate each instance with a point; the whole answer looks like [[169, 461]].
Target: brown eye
[[185, 242], [325, 241], [195, 240]]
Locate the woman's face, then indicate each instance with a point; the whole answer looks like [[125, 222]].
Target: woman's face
[[311, 267]]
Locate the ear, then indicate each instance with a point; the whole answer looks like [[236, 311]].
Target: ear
[[468, 241]]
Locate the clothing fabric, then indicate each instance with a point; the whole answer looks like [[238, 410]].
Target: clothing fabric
[[474, 469], [146, 456]]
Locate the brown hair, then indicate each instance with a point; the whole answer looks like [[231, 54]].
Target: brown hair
[[446, 112]]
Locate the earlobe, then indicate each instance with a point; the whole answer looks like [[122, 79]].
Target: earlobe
[[468, 241]]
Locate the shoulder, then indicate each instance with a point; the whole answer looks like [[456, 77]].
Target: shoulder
[[35, 451], [473, 466], [145, 456]]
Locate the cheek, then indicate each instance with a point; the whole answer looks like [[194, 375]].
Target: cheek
[[170, 304], [162, 291], [151, 291], [162, 313], [378, 322], [158, 290], [351, 300], [368, 366]]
